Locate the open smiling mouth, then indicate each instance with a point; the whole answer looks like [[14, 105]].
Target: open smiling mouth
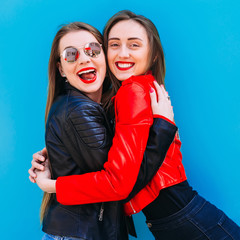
[[123, 66], [87, 75]]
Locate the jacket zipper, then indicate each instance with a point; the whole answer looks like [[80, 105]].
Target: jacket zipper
[[134, 211], [101, 213]]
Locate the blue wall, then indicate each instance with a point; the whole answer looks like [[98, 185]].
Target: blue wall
[[201, 39]]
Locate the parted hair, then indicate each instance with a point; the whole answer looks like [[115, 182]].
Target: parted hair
[[56, 81], [156, 61]]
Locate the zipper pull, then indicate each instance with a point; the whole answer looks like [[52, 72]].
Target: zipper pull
[[134, 211], [101, 213]]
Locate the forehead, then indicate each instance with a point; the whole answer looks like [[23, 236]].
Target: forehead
[[128, 29], [76, 39]]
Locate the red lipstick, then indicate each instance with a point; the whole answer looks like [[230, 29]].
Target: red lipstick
[[124, 66], [87, 75]]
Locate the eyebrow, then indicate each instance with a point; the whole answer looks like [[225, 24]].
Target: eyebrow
[[69, 47], [132, 38]]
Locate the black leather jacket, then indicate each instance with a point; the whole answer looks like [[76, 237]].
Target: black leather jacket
[[78, 137]]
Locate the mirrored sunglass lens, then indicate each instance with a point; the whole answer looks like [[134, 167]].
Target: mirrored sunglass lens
[[70, 54], [92, 49]]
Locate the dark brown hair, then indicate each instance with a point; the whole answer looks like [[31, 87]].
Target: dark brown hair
[[156, 61]]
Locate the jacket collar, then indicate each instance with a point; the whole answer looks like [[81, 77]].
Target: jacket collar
[[75, 91], [144, 79]]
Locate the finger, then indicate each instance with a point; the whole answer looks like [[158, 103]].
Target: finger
[[39, 157], [37, 165], [165, 94], [153, 97], [32, 179], [32, 173], [44, 152], [159, 90]]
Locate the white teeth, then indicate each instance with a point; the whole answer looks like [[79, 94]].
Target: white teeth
[[86, 71], [125, 65]]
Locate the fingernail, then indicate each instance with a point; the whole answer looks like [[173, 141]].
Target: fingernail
[[151, 90]]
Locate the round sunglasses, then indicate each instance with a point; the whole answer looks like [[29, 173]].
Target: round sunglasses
[[71, 54]]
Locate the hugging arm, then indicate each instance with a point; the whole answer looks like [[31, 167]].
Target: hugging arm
[[160, 137], [161, 134], [116, 180]]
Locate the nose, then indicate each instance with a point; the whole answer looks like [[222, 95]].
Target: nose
[[83, 58], [123, 52]]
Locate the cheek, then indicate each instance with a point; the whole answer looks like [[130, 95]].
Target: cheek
[[102, 64], [110, 57], [145, 64], [68, 68]]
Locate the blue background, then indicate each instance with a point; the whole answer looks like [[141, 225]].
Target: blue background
[[201, 40]]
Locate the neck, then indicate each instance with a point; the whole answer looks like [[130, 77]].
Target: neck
[[95, 96]]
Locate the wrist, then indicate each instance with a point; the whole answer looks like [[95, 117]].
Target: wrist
[[163, 117], [49, 186]]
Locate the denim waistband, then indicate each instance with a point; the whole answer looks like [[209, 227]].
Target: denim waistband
[[193, 207]]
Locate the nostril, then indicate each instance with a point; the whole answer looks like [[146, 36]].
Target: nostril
[[84, 62]]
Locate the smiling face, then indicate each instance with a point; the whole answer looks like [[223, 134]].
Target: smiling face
[[86, 73], [128, 49]]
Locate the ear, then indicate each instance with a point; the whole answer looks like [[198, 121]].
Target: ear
[[60, 69]]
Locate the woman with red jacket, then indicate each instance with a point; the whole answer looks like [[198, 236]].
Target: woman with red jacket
[[173, 210]]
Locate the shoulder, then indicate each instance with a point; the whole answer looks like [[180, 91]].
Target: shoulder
[[57, 109], [133, 99], [141, 81], [69, 105], [88, 121], [81, 106], [75, 114], [136, 87]]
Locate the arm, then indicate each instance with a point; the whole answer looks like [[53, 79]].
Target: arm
[[161, 135], [118, 177]]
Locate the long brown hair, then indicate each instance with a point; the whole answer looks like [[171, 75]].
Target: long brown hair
[[56, 81], [156, 61]]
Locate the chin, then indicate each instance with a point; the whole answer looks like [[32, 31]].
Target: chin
[[122, 77]]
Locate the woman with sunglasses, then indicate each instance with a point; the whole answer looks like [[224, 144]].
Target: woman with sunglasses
[[78, 137], [173, 210]]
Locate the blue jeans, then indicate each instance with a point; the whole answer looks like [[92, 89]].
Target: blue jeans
[[199, 220], [53, 237]]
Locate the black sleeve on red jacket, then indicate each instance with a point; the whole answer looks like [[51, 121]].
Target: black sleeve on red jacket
[[161, 136]]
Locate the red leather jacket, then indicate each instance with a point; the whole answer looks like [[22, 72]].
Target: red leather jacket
[[133, 116]]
